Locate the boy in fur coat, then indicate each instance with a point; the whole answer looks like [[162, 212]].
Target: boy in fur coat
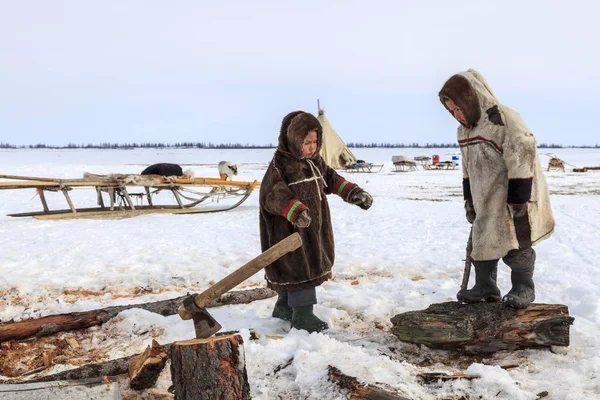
[[293, 199], [505, 192]]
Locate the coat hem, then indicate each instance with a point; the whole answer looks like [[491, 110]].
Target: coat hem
[[293, 287]]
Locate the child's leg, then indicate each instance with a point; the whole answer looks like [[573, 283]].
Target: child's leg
[[302, 302], [282, 310], [306, 297]]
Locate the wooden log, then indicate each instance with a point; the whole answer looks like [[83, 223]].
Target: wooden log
[[485, 327], [110, 368], [145, 368], [430, 377], [52, 324], [212, 368], [359, 391]]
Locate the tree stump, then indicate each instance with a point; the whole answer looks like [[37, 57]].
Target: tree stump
[[210, 369], [484, 327]]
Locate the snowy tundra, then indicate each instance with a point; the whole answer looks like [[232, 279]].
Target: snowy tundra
[[405, 253]]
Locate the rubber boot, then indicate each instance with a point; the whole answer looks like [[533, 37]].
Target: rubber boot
[[485, 288], [522, 293], [304, 318], [282, 310]]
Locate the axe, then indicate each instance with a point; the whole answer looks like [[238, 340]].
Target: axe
[[194, 306], [467, 270]]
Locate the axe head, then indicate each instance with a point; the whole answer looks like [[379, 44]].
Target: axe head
[[204, 324]]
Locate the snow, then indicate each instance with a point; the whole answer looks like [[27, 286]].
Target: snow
[[403, 254]]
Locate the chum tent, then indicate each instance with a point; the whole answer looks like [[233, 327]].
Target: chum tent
[[333, 149]]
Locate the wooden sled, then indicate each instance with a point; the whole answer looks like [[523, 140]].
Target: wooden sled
[[188, 194], [442, 165], [362, 166]]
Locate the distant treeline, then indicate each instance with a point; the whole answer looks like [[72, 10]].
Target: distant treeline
[[201, 145]]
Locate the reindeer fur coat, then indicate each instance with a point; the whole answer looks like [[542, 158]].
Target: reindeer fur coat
[[293, 184], [501, 169]]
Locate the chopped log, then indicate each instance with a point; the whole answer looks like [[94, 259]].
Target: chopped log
[[212, 368], [485, 327], [360, 391], [145, 368], [429, 377], [52, 324]]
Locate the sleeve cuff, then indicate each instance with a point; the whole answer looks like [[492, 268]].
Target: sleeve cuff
[[467, 189], [292, 210], [519, 190], [342, 188]]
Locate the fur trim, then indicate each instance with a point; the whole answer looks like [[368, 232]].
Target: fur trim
[[459, 90], [285, 123]]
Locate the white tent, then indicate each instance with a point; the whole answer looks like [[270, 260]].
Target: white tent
[[333, 149]]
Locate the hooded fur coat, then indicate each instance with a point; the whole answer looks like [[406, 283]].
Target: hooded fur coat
[[293, 184], [501, 169]]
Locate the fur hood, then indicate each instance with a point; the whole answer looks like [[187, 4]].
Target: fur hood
[[294, 128], [470, 91]]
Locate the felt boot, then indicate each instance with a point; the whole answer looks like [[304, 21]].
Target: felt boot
[[282, 310], [485, 288], [522, 293], [304, 318]]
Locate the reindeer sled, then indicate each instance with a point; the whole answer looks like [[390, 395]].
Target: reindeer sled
[[116, 195]]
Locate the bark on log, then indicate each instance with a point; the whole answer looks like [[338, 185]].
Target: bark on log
[[212, 368], [81, 320], [145, 368], [359, 391], [485, 327]]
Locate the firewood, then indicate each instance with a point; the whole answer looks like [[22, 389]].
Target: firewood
[[359, 391], [52, 324], [485, 327], [429, 377], [145, 368], [222, 364], [48, 358], [72, 342]]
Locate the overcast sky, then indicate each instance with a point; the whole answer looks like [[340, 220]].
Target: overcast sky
[[228, 71]]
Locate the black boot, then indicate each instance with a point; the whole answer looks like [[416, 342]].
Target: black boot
[[485, 289], [304, 318], [522, 263], [523, 290], [282, 310]]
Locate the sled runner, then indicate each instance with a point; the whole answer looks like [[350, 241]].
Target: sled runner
[[362, 166], [188, 195]]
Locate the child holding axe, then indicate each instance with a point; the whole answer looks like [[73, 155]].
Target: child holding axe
[[293, 199]]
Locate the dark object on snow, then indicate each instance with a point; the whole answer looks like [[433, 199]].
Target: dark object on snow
[[485, 327], [164, 169], [359, 390]]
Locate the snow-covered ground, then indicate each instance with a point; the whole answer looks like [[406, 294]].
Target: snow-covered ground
[[403, 254]]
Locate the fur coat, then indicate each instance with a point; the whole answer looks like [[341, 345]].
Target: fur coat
[[502, 173], [293, 184]]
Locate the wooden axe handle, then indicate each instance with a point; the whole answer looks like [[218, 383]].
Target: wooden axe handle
[[272, 254], [467, 270]]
